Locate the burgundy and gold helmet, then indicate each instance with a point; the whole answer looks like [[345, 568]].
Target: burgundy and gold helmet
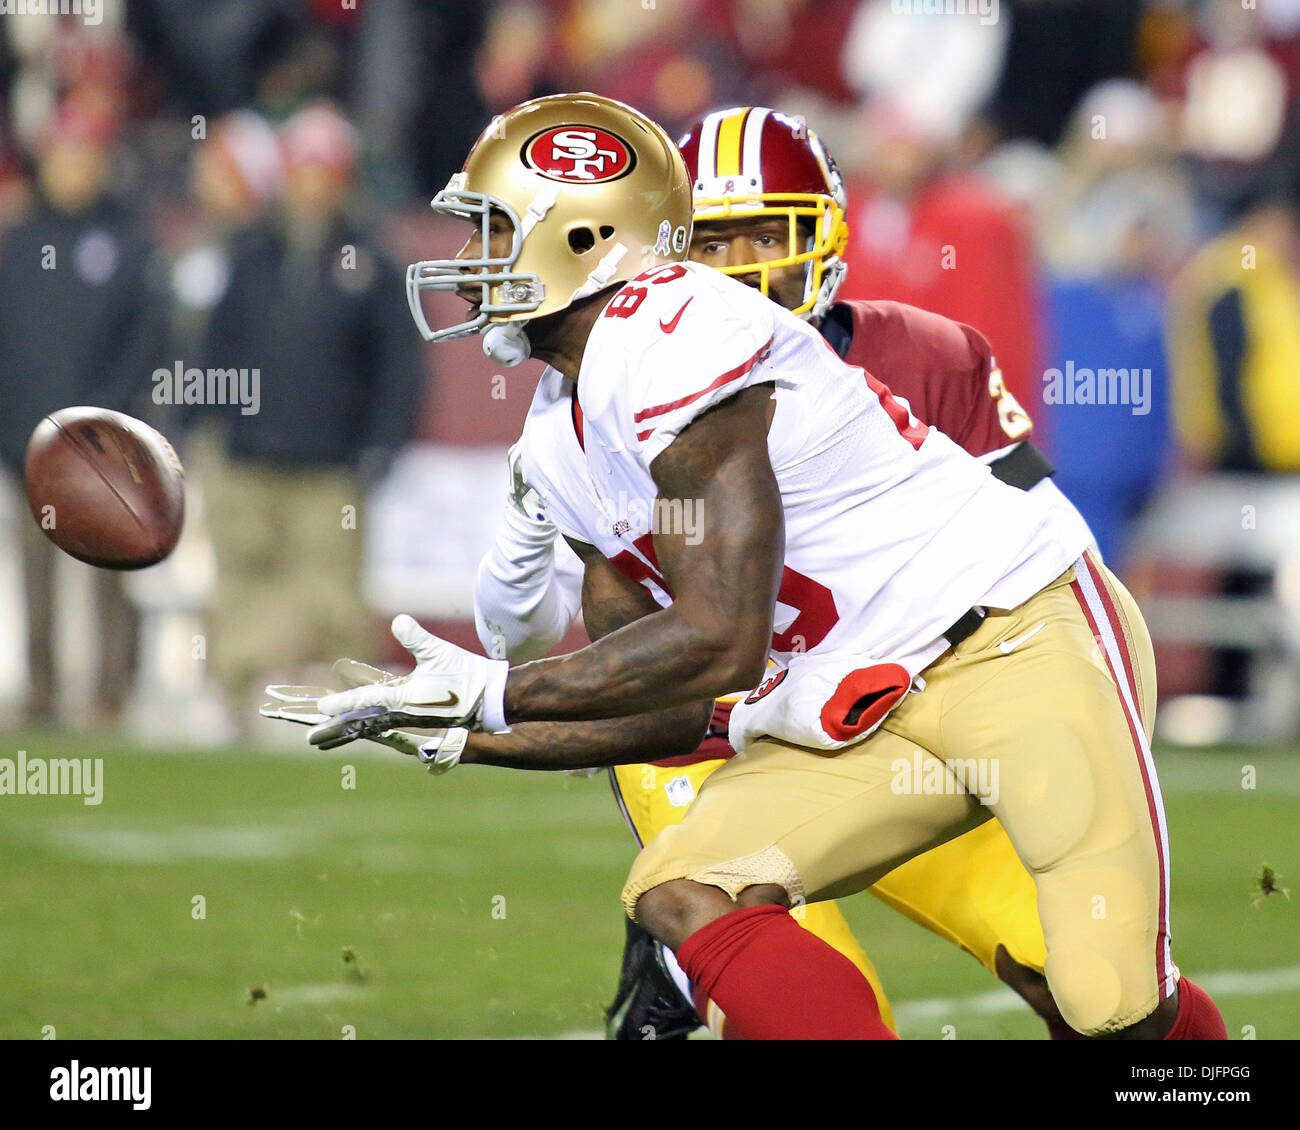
[[752, 161]]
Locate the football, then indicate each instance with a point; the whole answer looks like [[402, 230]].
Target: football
[[105, 487]]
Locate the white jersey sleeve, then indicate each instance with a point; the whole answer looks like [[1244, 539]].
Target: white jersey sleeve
[[528, 589], [529, 585]]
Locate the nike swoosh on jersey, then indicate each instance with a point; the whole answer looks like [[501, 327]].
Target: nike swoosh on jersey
[[1008, 646], [668, 327]]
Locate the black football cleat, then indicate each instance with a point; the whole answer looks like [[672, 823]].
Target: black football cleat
[[648, 1004]]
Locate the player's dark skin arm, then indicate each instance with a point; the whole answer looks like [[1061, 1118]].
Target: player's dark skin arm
[[609, 602], [713, 640]]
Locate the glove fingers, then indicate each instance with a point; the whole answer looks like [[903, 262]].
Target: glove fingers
[[443, 753], [306, 713], [401, 741], [425, 646], [349, 727], [283, 693], [373, 694], [437, 702], [354, 673]]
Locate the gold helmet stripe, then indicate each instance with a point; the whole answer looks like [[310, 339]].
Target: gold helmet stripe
[[730, 134]]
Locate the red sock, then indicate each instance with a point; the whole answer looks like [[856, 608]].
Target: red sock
[[730, 1029], [776, 981], [1198, 1016]]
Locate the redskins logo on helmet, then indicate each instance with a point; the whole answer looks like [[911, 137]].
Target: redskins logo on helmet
[[753, 161], [587, 187]]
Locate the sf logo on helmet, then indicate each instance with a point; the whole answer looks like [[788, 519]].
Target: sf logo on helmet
[[579, 154]]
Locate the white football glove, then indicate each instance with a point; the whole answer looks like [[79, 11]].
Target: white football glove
[[449, 688], [439, 750]]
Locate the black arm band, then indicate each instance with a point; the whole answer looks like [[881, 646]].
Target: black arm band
[[1023, 467]]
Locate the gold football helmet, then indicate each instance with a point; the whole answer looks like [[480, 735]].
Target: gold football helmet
[[594, 193]]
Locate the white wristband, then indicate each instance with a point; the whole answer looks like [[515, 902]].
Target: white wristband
[[494, 697]]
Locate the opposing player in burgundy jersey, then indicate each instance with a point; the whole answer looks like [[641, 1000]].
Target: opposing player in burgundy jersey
[[919, 612]]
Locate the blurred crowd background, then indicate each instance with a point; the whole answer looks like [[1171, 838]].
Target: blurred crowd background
[[1092, 184]]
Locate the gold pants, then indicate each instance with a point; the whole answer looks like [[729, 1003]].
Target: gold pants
[[1046, 708]]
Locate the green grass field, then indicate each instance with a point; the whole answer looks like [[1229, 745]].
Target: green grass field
[[485, 903]]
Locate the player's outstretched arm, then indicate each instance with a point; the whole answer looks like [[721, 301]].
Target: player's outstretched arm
[[593, 745], [609, 602], [714, 638]]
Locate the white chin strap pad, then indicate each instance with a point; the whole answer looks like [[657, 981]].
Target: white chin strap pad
[[507, 344]]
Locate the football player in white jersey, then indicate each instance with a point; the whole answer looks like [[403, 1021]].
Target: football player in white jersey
[[916, 608], [770, 207]]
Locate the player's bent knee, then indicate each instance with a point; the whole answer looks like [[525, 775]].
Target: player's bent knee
[[673, 911], [1094, 997], [659, 864]]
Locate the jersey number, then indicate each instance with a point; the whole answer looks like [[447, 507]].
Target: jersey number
[[814, 602], [627, 301]]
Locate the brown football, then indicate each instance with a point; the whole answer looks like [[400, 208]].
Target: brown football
[[105, 487]]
